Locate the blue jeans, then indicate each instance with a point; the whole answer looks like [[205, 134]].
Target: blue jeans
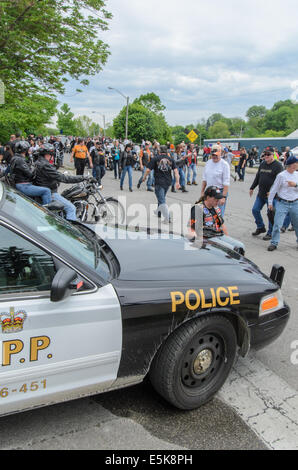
[[256, 210], [98, 172], [223, 207], [126, 169], [35, 191], [287, 221], [241, 172], [150, 179], [117, 169], [282, 209], [69, 208], [160, 193], [192, 167], [181, 178]]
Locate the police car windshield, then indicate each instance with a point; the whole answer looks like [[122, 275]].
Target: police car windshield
[[54, 229]]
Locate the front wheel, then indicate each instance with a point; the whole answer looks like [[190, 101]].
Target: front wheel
[[110, 211], [194, 362]]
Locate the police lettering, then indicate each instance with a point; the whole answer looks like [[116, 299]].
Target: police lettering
[[216, 297], [13, 347]]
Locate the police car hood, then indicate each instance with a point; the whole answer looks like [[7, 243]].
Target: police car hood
[[164, 257]]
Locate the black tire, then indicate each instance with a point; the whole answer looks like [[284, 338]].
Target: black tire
[[117, 214], [178, 372]]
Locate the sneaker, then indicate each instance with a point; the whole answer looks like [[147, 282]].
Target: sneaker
[[267, 237], [282, 230], [259, 231], [291, 229], [271, 248]]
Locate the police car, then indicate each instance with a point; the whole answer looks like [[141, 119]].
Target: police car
[[86, 310]]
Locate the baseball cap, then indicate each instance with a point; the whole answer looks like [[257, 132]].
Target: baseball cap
[[290, 160], [215, 148], [213, 191]]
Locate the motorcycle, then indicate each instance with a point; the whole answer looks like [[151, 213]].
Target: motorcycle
[[92, 206]]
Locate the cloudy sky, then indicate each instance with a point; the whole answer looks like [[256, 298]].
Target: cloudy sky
[[198, 56]]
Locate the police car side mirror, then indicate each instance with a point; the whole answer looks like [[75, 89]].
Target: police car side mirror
[[61, 288]]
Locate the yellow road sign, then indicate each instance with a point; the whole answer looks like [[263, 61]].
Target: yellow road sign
[[192, 136]]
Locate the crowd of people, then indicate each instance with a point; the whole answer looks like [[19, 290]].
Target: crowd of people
[[166, 167], [163, 168]]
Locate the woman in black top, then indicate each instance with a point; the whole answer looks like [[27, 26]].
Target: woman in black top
[[127, 162]]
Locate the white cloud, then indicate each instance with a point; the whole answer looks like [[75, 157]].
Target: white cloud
[[200, 57]]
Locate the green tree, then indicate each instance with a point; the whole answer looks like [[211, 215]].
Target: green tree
[[151, 102], [213, 119], [141, 123], [292, 122], [219, 130], [65, 120], [145, 120], [272, 133], [256, 112], [85, 127], [237, 126], [43, 43], [277, 119], [26, 116], [282, 103]]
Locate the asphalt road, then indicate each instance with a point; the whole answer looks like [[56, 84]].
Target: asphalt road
[[256, 409]]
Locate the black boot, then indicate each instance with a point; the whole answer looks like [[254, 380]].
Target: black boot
[[259, 231]]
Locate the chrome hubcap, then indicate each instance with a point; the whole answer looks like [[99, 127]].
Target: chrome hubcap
[[203, 361]]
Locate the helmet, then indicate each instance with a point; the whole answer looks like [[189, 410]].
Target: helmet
[[22, 146], [47, 149]]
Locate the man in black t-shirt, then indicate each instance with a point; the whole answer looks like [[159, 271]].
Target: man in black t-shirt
[[265, 177], [163, 166]]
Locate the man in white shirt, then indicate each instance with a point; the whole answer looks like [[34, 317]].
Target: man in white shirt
[[285, 189], [217, 173]]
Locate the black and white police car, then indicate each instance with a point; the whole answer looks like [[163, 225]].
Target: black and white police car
[[83, 313]]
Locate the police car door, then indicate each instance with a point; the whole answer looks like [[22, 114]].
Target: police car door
[[51, 351]]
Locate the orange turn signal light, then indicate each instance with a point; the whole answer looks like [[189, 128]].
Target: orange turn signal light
[[269, 304]]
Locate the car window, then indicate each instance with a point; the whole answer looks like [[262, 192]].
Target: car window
[[54, 229], [23, 266]]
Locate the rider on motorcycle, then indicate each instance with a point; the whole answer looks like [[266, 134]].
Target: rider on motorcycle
[[22, 176], [47, 175]]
